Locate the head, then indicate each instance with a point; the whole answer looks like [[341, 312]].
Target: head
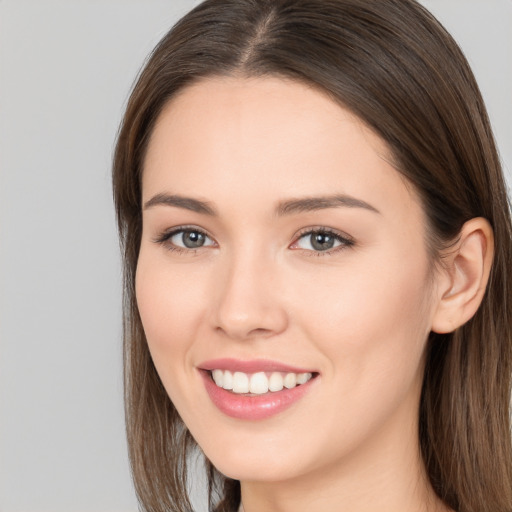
[[390, 84]]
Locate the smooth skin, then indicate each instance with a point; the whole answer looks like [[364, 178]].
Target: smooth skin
[[256, 286]]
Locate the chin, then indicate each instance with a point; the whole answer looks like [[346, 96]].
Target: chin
[[257, 463], [249, 471]]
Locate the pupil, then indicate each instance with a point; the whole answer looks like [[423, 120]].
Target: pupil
[[322, 241], [193, 239]]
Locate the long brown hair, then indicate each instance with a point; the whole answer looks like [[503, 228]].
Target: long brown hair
[[393, 65]]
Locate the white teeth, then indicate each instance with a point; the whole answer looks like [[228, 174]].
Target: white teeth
[[240, 382], [290, 381], [276, 382], [218, 377], [302, 378], [228, 380], [258, 383]]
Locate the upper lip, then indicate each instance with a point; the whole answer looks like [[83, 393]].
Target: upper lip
[[251, 366]]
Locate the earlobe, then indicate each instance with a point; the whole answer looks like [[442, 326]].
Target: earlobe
[[466, 271]]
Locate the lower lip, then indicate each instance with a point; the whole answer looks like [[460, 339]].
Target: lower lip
[[257, 407]]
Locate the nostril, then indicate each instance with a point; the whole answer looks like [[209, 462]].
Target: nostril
[[241, 333], [258, 323], [260, 332]]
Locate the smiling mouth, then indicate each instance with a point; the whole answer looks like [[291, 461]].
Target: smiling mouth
[[259, 383], [257, 389]]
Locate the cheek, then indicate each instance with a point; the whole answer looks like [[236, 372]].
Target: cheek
[[366, 296], [373, 324], [371, 330], [169, 304]]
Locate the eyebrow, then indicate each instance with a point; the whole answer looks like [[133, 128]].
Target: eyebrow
[[308, 204], [288, 207], [187, 203]]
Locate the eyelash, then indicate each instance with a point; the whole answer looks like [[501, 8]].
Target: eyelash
[[345, 241], [165, 237]]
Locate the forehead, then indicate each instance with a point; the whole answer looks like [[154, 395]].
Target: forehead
[[266, 137]]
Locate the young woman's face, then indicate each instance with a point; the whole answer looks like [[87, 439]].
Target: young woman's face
[[282, 250]]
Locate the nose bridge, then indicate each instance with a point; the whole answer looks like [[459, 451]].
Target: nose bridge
[[248, 302]]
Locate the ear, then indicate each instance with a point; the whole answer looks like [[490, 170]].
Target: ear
[[463, 279]]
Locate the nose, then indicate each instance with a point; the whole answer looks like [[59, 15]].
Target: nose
[[249, 301]]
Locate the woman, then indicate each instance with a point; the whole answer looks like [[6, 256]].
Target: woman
[[316, 237]]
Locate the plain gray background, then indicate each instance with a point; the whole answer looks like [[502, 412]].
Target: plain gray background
[[66, 68]]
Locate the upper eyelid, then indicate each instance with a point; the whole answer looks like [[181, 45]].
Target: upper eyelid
[[169, 233], [164, 239], [323, 229], [301, 232]]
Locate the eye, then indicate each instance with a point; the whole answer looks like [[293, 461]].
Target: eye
[[182, 239], [190, 239], [322, 240]]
